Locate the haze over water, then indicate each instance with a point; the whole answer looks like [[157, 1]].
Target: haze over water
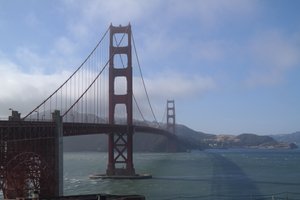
[[217, 174]]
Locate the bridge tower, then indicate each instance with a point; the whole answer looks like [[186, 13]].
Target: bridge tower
[[171, 115], [120, 152], [172, 145]]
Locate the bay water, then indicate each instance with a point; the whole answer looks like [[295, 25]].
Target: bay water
[[211, 174]]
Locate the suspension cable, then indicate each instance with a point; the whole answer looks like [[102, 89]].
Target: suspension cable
[[138, 107], [164, 115], [106, 64], [70, 76], [144, 85], [86, 89]]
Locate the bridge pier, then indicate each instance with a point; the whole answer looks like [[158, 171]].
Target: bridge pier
[[120, 153], [56, 117], [31, 158]]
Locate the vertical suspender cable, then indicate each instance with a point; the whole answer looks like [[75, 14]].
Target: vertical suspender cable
[[60, 87], [90, 85], [138, 62]]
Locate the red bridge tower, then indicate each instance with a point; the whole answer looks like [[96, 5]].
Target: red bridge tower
[[120, 160]]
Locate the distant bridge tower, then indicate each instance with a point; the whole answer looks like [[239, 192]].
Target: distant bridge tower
[[120, 144], [171, 115], [171, 124]]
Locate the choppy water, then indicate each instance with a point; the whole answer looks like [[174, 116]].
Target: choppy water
[[218, 174], [221, 174]]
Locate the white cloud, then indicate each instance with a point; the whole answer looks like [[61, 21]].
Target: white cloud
[[169, 85], [160, 45], [208, 11], [62, 54], [22, 91], [211, 50], [211, 13], [117, 10], [155, 15], [111, 11], [175, 85], [273, 55], [30, 60], [65, 46], [88, 15]]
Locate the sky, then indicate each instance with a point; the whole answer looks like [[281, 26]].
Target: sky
[[231, 66]]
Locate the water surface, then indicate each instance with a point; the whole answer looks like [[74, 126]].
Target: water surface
[[214, 174]]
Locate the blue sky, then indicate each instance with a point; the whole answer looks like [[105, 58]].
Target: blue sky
[[231, 66]]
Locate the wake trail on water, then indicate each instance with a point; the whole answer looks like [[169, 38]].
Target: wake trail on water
[[189, 178]]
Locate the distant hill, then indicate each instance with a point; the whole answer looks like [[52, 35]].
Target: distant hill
[[248, 139], [142, 142], [245, 140], [190, 139], [85, 143], [194, 139], [290, 138]]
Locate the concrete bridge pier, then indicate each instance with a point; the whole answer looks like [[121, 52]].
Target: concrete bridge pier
[[31, 157], [58, 143]]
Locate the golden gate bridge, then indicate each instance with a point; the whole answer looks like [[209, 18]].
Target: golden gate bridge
[[97, 98]]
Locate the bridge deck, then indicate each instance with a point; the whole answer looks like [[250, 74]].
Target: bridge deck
[[74, 129]]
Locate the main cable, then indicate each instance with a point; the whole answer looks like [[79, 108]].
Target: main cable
[[69, 77], [82, 95], [144, 85], [164, 115]]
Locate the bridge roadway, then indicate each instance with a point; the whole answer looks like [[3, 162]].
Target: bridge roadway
[[76, 129]]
